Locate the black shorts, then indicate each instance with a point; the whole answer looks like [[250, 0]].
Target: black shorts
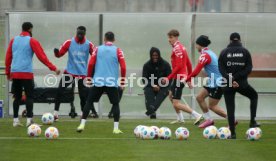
[[176, 89], [95, 94], [215, 92]]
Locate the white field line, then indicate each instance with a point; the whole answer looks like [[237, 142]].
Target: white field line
[[71, 138]]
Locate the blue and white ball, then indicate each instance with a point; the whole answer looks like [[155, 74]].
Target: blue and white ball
[[210, 132], [148, 134], [47, 118], [164, 133], [224, 133], [182, 133]]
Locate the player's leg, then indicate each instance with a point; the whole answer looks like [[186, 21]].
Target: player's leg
[[229, 96], [65, 81], [113, 95], [29, 90], [120, 91], [176, 97], [83, 94], [17, 93], [94, 95], [149, 100], [250, 93], [202, 95], [160, 97]]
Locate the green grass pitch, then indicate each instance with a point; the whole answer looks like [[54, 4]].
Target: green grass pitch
[[97, 143]]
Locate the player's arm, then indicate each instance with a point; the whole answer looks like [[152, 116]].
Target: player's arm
[[39, 52], [188, 64], [203, 60], [178, 64], [145, 74], [246, 70], [92, 63], [63, 49], [8, 59], [122, 63], [222, 65], [91, 48]]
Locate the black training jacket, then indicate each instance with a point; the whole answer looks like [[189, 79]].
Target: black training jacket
[[235, 60], [160, 69]]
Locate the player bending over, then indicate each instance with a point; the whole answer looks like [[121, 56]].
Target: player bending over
[[105, 63], [181, 67], [209, 61]]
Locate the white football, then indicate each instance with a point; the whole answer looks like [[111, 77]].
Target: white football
[[182, 133], [210, 132], [148, 133], [51, 133], [47, 118], [224, 133], [164, 133], [254, 134], [156, 130], [34, 130]]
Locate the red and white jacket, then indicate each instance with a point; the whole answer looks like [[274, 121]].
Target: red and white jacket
[[39, 52], [181, 64]]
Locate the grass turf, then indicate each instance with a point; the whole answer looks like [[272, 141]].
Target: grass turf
[[98, 143]]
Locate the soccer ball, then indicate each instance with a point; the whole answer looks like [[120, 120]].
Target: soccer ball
[[148, 133], [156, 129], [141, 131], [164, 133], [34, 130], [136, 131], [51, 133], [182, 133], [254, 134], [224, 133], [210, 132], [47, 118]]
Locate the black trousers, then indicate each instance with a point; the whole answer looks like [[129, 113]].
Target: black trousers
[[155, 99], [95, 94], [83, 90], [229, 95], [17, 89], [120, 92]]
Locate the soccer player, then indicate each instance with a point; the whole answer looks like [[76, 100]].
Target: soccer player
[[209, 61], [181, 68], [154, 94], [19, 69], [104, 66], [235, 64], [78, 49]]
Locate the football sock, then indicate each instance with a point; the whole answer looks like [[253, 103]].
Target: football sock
[[83, 121], [116, 125], [180, 116], [207, 116], [195, 114]]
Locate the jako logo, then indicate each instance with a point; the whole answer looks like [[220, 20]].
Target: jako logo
[[237, 54]]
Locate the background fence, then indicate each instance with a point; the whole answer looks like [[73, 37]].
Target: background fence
[[136, 33]]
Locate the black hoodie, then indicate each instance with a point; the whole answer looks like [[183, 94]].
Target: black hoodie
[[236, 60], [160, 69]]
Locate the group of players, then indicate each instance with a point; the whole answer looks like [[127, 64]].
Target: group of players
[[234, 65]]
